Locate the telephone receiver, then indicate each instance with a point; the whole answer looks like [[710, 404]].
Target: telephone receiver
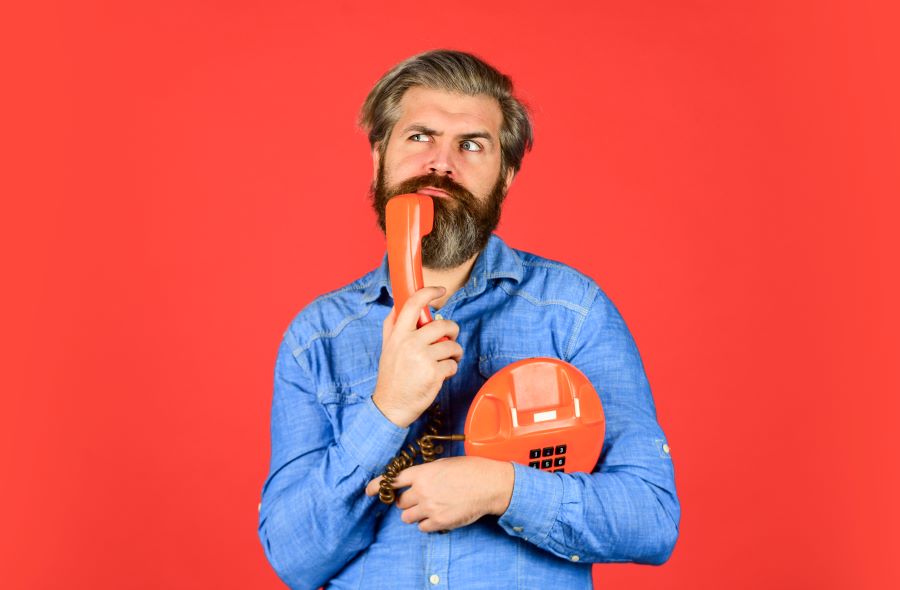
[[408, 219], [541, 412]]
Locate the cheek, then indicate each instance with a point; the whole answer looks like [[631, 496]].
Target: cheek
[[404, 167]]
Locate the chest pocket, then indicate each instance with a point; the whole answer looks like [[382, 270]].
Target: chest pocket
[[342, 399]]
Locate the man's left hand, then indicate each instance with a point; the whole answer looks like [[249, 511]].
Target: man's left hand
[[453, 492]]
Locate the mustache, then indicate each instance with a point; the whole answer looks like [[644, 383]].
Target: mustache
[[444, 183]]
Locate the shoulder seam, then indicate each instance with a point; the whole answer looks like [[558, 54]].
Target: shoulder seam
[[576, 331], [329, 334], [535, 301]]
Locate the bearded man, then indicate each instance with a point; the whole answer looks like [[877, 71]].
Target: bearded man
[[354, 379]]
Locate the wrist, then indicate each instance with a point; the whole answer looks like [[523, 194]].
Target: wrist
[[397, 416], [506, 477]]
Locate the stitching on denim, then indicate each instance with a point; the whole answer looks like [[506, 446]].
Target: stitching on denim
[[547, 539], [502, 355], [535, 301], [366, 287], [357, 382], [555, 266], [340, 327], [576, 331], [344, 289]]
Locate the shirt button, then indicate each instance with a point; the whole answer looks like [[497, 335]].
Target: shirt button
[[438, 316], [434, 579], [518, 529], [666, 449], [574, 558]]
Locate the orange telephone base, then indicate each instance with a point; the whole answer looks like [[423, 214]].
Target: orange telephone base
[[541, 412]]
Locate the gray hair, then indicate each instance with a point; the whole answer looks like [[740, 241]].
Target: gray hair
[[450, 71]]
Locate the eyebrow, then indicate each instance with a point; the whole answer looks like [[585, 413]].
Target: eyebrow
[[419, 128]]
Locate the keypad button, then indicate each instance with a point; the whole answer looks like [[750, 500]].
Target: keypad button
[[534, 454], [548, 451], [559, 461], [546, 463], [535, 464], [560, 449]]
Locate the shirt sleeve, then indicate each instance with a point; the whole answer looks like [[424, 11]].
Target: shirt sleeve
[[627, 510], [315, 516]]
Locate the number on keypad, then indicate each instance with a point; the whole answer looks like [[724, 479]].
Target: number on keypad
[[550, 459]]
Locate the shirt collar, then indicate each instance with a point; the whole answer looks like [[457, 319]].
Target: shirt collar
[[496, 261]]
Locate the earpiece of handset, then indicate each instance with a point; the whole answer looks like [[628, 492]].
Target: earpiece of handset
[[407, 219]]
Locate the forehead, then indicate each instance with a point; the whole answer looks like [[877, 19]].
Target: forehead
[[449, 111]]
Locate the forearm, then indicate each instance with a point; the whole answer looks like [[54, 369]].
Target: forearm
[[602, 517], [315, 517]]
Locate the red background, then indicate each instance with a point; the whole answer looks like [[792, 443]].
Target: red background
[[179, 179]]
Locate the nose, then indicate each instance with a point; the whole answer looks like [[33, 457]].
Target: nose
[[441, 160]]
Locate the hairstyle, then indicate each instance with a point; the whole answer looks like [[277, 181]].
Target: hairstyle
[[450, 71]]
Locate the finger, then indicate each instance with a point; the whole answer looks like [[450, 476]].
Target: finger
[[408, 316], [448, 368], [434, 331], [414, 514], [407, 499], [373, 486], [407, 477], [427, 525], [447, 349], [388, 326]]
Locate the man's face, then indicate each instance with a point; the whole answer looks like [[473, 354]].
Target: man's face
[[446, 146]]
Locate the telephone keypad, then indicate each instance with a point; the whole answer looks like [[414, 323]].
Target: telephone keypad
[[549, 461]]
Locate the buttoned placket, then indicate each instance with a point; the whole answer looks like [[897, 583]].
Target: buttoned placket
[[437, 564]]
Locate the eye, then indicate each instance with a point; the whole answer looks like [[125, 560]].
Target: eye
[[419, 137], [470, 146]]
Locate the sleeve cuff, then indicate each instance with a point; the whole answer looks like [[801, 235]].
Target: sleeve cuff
[[371, 439], [534, 506]]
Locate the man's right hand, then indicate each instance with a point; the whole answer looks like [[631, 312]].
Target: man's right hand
[[413, 364]]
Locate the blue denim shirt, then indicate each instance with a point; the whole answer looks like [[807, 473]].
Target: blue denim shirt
[[329, 439]]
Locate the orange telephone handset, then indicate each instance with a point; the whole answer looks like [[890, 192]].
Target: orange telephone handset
[[540, 412], [408, 218]]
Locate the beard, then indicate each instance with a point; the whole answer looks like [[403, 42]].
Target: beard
[[462, 223]]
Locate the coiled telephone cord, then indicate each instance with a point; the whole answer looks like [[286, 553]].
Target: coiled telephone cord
[[423, 445]]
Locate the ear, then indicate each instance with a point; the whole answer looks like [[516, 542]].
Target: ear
[[376, 158], [510, 174]]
